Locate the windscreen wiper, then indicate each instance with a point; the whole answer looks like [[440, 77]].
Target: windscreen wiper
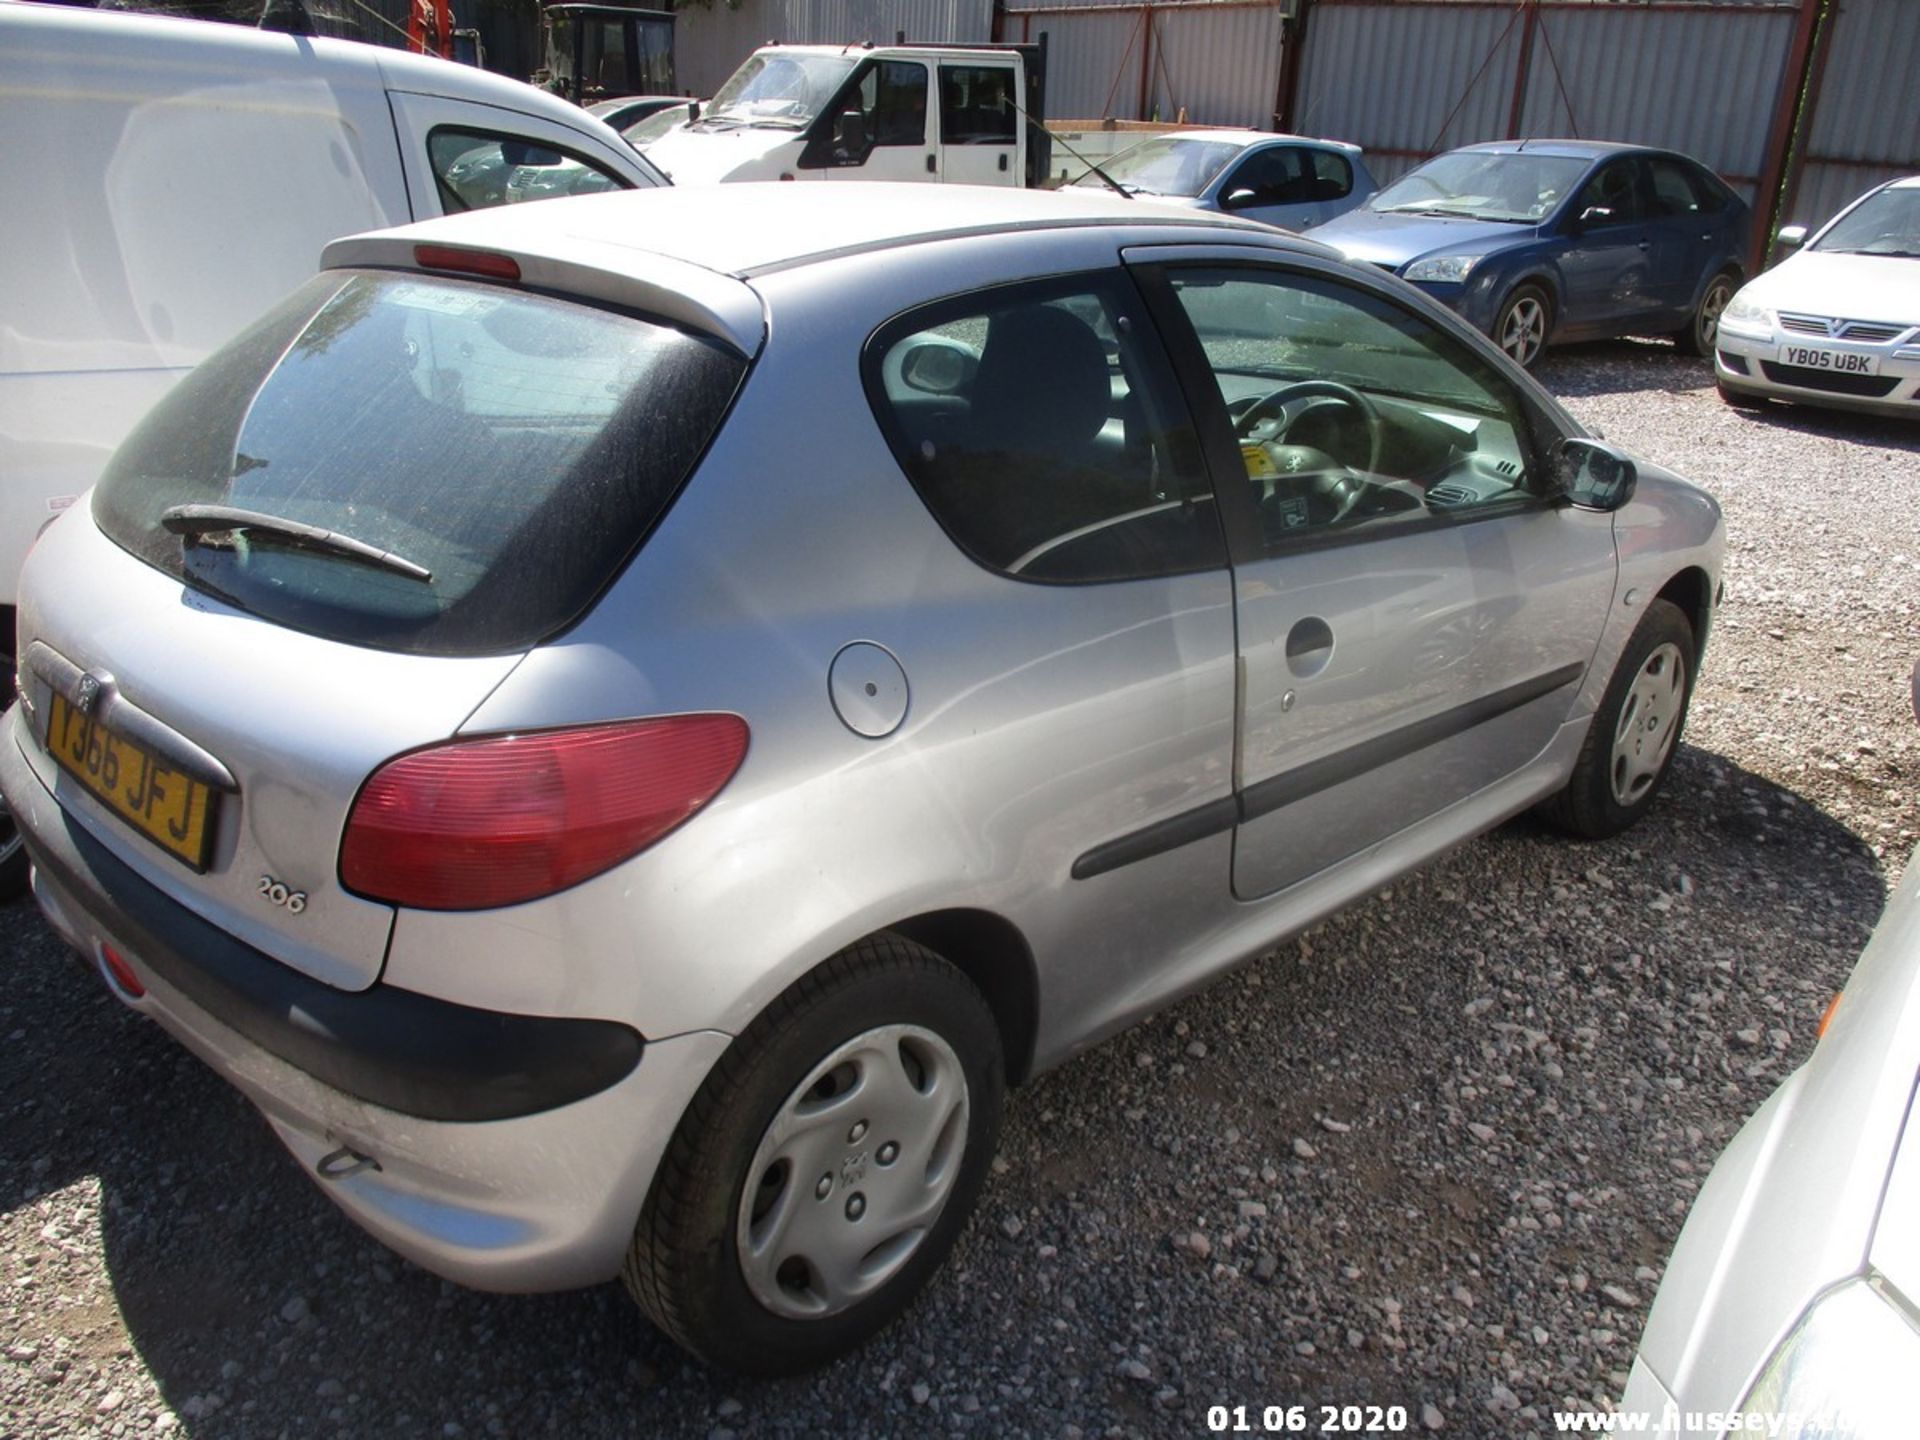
[[203, 524]]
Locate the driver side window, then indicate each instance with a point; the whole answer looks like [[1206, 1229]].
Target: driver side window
[[894, 95], [1615, 191], [1274, 176], [1351, 415]]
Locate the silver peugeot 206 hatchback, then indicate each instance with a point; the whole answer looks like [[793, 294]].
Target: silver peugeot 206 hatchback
[[622, 725]]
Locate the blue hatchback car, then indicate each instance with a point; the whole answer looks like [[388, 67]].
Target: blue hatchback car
[[1541, 241]]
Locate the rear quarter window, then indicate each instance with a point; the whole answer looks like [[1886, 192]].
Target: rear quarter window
[[517, 448]]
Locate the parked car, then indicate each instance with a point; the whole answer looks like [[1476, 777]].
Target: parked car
[[632, 109], [1837, 323], [1793, 1293], [623, 724], [1542, 241], [1284, 180], [172, 179], [642, 133]]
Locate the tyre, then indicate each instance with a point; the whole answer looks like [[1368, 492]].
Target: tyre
[[13, 850], [826, 1166], [1740, 399], [1631, 743], [1523, 323], [1698, 336]]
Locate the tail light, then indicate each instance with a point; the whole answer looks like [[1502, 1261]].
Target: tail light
[[474, 824]]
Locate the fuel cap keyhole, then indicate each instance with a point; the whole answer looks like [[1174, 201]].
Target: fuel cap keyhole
[[869, 689]]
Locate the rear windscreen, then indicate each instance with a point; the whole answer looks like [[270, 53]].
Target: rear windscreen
[[515, 448]]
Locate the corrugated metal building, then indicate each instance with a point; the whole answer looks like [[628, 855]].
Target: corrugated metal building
[[1214, 62], [709, 43], [1865, 126]]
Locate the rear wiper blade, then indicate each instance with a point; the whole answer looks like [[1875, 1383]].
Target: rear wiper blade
[[200, 523]]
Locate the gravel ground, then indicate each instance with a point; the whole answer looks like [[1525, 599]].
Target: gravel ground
[[1431, 1155]]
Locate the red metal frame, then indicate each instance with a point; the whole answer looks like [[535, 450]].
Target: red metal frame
[[1795, 78]]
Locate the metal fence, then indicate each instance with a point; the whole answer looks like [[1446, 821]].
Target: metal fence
[[710, 42], [1215, 62], [1410, 80], [1863, 126]]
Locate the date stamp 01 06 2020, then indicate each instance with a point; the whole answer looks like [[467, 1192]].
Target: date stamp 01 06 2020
[[1307, 1419]]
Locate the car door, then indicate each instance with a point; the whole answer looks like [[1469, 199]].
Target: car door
[[1683, 234], [1041, 426], [1276, 185], [885, 103], [979, 128], [1416, 606], [458, 156], [1605, 254]]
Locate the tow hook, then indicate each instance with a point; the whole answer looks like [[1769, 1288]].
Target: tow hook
[[339, 1164]]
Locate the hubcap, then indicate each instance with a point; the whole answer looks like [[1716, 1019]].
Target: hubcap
[[1524, 330], [1715, 300], [1649, 721], [853, 1171]]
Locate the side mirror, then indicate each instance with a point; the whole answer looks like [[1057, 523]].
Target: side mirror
[[1595, 215], [1237, 199], [1593, 474], [1792, 237], [851, 143], [524, 152], [938, 368]]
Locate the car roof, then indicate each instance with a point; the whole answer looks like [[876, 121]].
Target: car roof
[[1236, 136], [685, 253], [162, 43], [751, 229], [1572, 149], [1905, 182]]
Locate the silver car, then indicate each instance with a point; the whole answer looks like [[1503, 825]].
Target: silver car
[[623, 725], [1837, 323], [1285, 180], [1791, 1303]]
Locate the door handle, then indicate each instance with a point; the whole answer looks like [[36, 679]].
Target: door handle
[[1309, 647], [930, 164], [1646, 244], [1003, 161]]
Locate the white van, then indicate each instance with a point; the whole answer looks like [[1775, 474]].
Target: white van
[[963, 115], [166, 181]]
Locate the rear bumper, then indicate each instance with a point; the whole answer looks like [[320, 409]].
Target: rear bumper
[[533, 1181], [403, 1051]]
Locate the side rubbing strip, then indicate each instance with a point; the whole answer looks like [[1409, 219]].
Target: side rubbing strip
[[1183, 829], [1297, 784], [1310, 779]]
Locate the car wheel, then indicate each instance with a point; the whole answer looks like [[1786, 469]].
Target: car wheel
[[1740, 399], [1698, 337], [13, 850], [1523, 324], [825, 1167], [1636, 731]]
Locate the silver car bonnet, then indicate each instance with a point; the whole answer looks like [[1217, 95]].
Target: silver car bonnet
[[1792, 1206], [299, 723]]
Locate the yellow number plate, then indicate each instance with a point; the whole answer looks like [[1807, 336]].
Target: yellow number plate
[[173, 810]]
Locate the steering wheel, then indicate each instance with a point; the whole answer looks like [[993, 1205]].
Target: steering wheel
[[1275, 400]]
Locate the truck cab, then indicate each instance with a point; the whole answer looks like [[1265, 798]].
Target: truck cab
[[962, 114]]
